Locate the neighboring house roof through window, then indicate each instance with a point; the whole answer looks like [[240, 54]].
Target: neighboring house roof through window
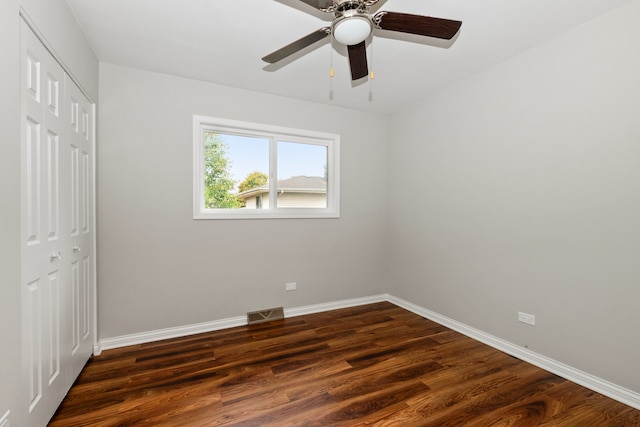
[[295, 184]]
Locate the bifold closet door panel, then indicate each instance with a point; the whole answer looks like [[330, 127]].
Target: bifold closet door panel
[[80, 233], [57, 229], [45, 273]]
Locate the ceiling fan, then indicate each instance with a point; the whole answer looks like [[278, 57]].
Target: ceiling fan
[[352, 25]]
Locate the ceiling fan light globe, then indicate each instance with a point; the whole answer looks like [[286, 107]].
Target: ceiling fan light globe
[[352, 30]]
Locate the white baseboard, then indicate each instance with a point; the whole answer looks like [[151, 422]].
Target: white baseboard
[[577, 376], [4, 421], [318, 308], [181, 331], [163, 334], [589, 381]]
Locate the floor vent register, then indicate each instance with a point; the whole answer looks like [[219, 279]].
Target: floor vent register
[[267, 315]]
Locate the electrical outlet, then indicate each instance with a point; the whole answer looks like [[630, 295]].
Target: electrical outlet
[[290, 286], [529, 319]]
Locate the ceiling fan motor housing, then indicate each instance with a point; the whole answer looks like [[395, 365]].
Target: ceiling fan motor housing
[[343, 5]]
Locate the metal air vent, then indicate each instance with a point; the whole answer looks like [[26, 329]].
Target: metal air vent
[[267, 315]]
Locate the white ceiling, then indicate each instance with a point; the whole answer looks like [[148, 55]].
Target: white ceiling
[[222, 42]]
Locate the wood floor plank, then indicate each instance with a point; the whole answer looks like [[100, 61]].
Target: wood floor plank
[[373, 365]]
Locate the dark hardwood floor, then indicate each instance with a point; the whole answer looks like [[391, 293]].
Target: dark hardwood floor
[[376, 365]]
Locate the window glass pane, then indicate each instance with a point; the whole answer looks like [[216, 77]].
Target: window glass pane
[[236, 170], [302, 175]]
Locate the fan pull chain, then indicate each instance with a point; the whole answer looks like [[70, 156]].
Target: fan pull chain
[[371, 73], [331, 58], [331, 68]]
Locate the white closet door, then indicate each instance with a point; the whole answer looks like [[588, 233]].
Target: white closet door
[[80, 233], [45, 276], [57, 239]]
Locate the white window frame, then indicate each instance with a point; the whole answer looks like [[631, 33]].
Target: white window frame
[[202, 124]]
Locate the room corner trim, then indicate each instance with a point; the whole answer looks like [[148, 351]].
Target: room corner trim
[[4, 421], [577, 376], [97, 349]]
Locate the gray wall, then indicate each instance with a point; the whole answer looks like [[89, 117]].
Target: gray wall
[[55, 21], [519, 190], [159, 268]]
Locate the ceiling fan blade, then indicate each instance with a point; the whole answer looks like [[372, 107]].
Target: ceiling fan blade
[[417, 24], [358, 60], [297, 45], [319, 4]]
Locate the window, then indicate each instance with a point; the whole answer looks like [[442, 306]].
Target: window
[[246, 170]]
